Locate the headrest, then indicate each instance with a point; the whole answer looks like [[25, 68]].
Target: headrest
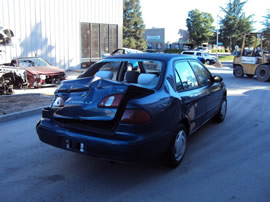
[[131, 76], [105, 74], [146, 79]]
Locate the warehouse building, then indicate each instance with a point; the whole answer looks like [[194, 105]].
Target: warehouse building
[[67, 33], [155, 38]]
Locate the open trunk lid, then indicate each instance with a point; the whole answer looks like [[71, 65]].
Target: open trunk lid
[[82, 97]]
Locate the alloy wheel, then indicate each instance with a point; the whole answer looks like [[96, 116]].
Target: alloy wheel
[[180, 145]]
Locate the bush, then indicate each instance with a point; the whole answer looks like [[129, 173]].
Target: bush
[[178, 51], [213, 50]]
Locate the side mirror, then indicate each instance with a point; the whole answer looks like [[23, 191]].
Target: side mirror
[[217, 79]]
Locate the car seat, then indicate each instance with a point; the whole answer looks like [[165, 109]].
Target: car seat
[[131, 76]]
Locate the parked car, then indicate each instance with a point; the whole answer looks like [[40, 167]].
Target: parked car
[[121, 51], [201, 59], [39, 72], [130, 106], [14, 77], [208, 58], [6, 87], [202, 48]]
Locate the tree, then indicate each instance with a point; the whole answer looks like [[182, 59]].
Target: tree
[[133, 25], [266, 22], [266, 29], [199, 26], [235, 24]]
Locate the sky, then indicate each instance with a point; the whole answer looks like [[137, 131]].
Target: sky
[[172, 14]]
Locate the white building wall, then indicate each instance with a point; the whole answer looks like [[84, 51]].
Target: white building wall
[[51, 28]]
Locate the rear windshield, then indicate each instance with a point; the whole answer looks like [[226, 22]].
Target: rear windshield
[[140, 72]]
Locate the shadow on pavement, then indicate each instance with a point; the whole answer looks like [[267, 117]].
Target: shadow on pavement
[[227, 64]]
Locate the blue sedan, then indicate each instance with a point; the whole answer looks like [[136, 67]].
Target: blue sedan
[[132, 106]]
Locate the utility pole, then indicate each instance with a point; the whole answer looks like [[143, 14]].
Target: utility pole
[[217, 37]]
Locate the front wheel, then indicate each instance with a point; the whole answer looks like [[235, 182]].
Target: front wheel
[[220, 116], [178, 147], [208, 62], [238, 71]]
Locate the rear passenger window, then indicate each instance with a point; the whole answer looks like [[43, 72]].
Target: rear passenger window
[[203, 76], [186, 74]]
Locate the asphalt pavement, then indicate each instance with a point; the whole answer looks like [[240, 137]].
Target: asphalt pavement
[[224, 162]]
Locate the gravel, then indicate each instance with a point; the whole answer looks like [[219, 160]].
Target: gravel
[[16, 103]]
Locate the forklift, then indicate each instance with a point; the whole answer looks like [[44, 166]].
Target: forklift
[[254, 61]]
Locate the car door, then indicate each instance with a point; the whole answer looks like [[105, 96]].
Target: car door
[[213, 89], [192, 95]]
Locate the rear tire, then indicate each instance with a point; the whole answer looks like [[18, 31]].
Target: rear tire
[[263, 73], [177, 147], [238, 71], [220, 116]]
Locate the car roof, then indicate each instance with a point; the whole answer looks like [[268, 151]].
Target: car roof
[[27, 58], [151, 56]]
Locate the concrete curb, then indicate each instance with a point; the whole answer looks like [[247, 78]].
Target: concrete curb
[[17, 115], [22, 94]]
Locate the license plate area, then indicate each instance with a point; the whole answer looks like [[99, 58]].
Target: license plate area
[[74, 145]]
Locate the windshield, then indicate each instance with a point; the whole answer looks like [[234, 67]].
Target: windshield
[[32, 62], [140, 72]]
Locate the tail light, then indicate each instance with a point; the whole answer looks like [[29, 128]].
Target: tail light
[[135, 116], [111, 101], [59, 102]]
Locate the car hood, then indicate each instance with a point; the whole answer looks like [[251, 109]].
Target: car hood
[[44, 70]]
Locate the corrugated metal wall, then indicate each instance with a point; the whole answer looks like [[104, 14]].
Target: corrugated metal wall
[[51, 28]]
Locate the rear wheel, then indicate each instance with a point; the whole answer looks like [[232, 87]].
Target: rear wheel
[[220, 116], [263, 73], [178, 147], [238, 71]]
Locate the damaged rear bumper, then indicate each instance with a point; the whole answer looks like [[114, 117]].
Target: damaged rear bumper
[[118, 147]]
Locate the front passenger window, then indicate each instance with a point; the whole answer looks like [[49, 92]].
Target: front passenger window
[[186, 74], [203, 75]]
